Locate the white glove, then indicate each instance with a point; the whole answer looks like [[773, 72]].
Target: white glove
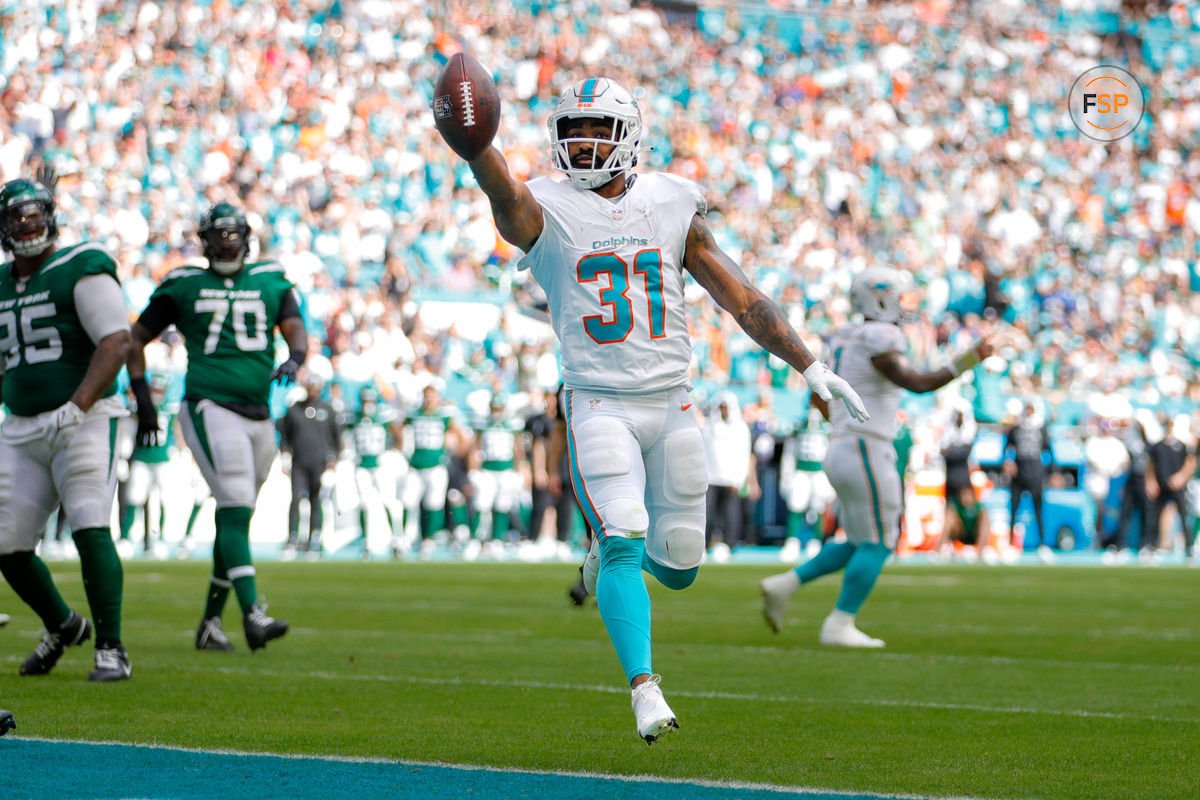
[[62, 426], [827, 386]]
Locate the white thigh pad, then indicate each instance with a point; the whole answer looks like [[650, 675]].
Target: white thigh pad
[[687, 472], [602, 449]]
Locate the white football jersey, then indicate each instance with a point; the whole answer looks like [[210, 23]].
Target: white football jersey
[[613, 276], [851, 350]]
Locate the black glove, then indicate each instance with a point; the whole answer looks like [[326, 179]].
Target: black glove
[[147, 414], [285, 373]]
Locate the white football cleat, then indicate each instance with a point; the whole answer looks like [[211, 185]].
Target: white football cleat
[[813, 547], [775, 596], [839, 630], [591, 567], [719, 553], [654, 717], [1045, 554]]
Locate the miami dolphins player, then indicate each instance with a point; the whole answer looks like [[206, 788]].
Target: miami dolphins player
[[374, 427], [805, 486], [496, 482], [227, 314], [609, 248], [861, 461], [64, 334]]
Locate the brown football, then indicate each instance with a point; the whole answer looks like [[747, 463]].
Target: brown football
[[466, 106]]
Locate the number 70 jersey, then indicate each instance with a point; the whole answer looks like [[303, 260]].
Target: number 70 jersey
[[613, 276], [228, 327]]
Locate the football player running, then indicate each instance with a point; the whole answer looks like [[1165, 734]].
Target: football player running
[[610, 247], [227, 315], [64, 335], [861, 461]]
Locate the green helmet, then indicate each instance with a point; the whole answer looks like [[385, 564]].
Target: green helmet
[[225, 237], [27, 226]]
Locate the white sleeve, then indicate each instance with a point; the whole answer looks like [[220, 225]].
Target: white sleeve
[[100, 305]]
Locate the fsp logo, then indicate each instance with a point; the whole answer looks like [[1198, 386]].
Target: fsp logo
[[1106, 103]]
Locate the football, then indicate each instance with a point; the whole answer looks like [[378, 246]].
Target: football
[[466, 106]]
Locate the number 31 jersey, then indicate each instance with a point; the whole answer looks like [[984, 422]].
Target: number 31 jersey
[[613, 276], [228, 327]]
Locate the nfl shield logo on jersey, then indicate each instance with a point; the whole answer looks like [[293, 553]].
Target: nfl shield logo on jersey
[[594, 402], [618, 214]]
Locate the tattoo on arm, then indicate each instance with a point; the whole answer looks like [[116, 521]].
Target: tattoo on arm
[[765, 323]]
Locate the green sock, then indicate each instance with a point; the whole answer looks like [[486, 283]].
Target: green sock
[[500, 525], [192, 520], [218, 587], [30, 578], [429, 522], [476, 519], [795, 525], [459, 515], [233, 539], [362, 524], [391, 520], [128, 513], [864, 567], [103, 580]]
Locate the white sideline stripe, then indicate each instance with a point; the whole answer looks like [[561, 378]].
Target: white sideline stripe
[[758, 698], [711, 784]]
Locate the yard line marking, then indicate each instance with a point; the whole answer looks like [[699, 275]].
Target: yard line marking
[[831, 794], [759, 698]]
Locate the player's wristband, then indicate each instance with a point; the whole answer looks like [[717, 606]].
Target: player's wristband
[[964, 362], [298, 355]]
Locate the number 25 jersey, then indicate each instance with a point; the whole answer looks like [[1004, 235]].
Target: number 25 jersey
[[613, 276]]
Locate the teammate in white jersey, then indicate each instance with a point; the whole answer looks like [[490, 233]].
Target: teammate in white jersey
[[861, 462], [610, 248]]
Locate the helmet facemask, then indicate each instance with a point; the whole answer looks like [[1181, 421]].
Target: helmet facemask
[[226, 246], [28, 228]]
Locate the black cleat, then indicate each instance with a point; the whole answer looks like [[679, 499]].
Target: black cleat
[[74, 631], [112, 663], [260, 628], [209, 635], [7, 721], [578, 594]]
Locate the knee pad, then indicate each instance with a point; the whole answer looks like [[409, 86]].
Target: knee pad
[[686, 480], [678, 542], [625, 518], [602, 449]]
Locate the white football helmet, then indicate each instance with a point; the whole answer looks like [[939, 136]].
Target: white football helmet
[[875, 293], [604, 99]]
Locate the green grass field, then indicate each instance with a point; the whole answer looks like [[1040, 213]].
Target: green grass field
[[996, 682]]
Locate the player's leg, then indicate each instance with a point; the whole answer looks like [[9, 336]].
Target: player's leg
[[435, 483], [873, 527], [483, 500], [676, 498], [843, 467], [316, 508], [85, 475], [509, 485], [27, 497]]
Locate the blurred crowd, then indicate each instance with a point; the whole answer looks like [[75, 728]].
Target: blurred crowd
[[930, 135]]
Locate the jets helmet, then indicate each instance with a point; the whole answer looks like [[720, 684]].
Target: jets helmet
[[596, 98], [225, 237], [27, 226], [875, 292]]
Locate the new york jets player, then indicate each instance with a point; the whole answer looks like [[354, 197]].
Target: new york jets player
[[861, 462], [610, 248], [147, 466], [805, 486], [428, 479], [227, 315], [496, 482], [373, 428], [64, 334]]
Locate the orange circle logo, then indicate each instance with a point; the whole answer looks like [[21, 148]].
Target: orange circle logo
[[1106, 103]]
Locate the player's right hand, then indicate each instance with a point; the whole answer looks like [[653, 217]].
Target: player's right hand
[[63, 426], [148, 432], [826, 385]]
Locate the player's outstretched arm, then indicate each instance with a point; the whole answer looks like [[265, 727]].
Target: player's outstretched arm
[[759, 316], [517, 214], [896, 368]]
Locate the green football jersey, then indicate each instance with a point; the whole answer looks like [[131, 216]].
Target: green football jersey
[[497, 445], [371, 436], [44, 345], [812, 442], [228, 326], [429, 437]]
